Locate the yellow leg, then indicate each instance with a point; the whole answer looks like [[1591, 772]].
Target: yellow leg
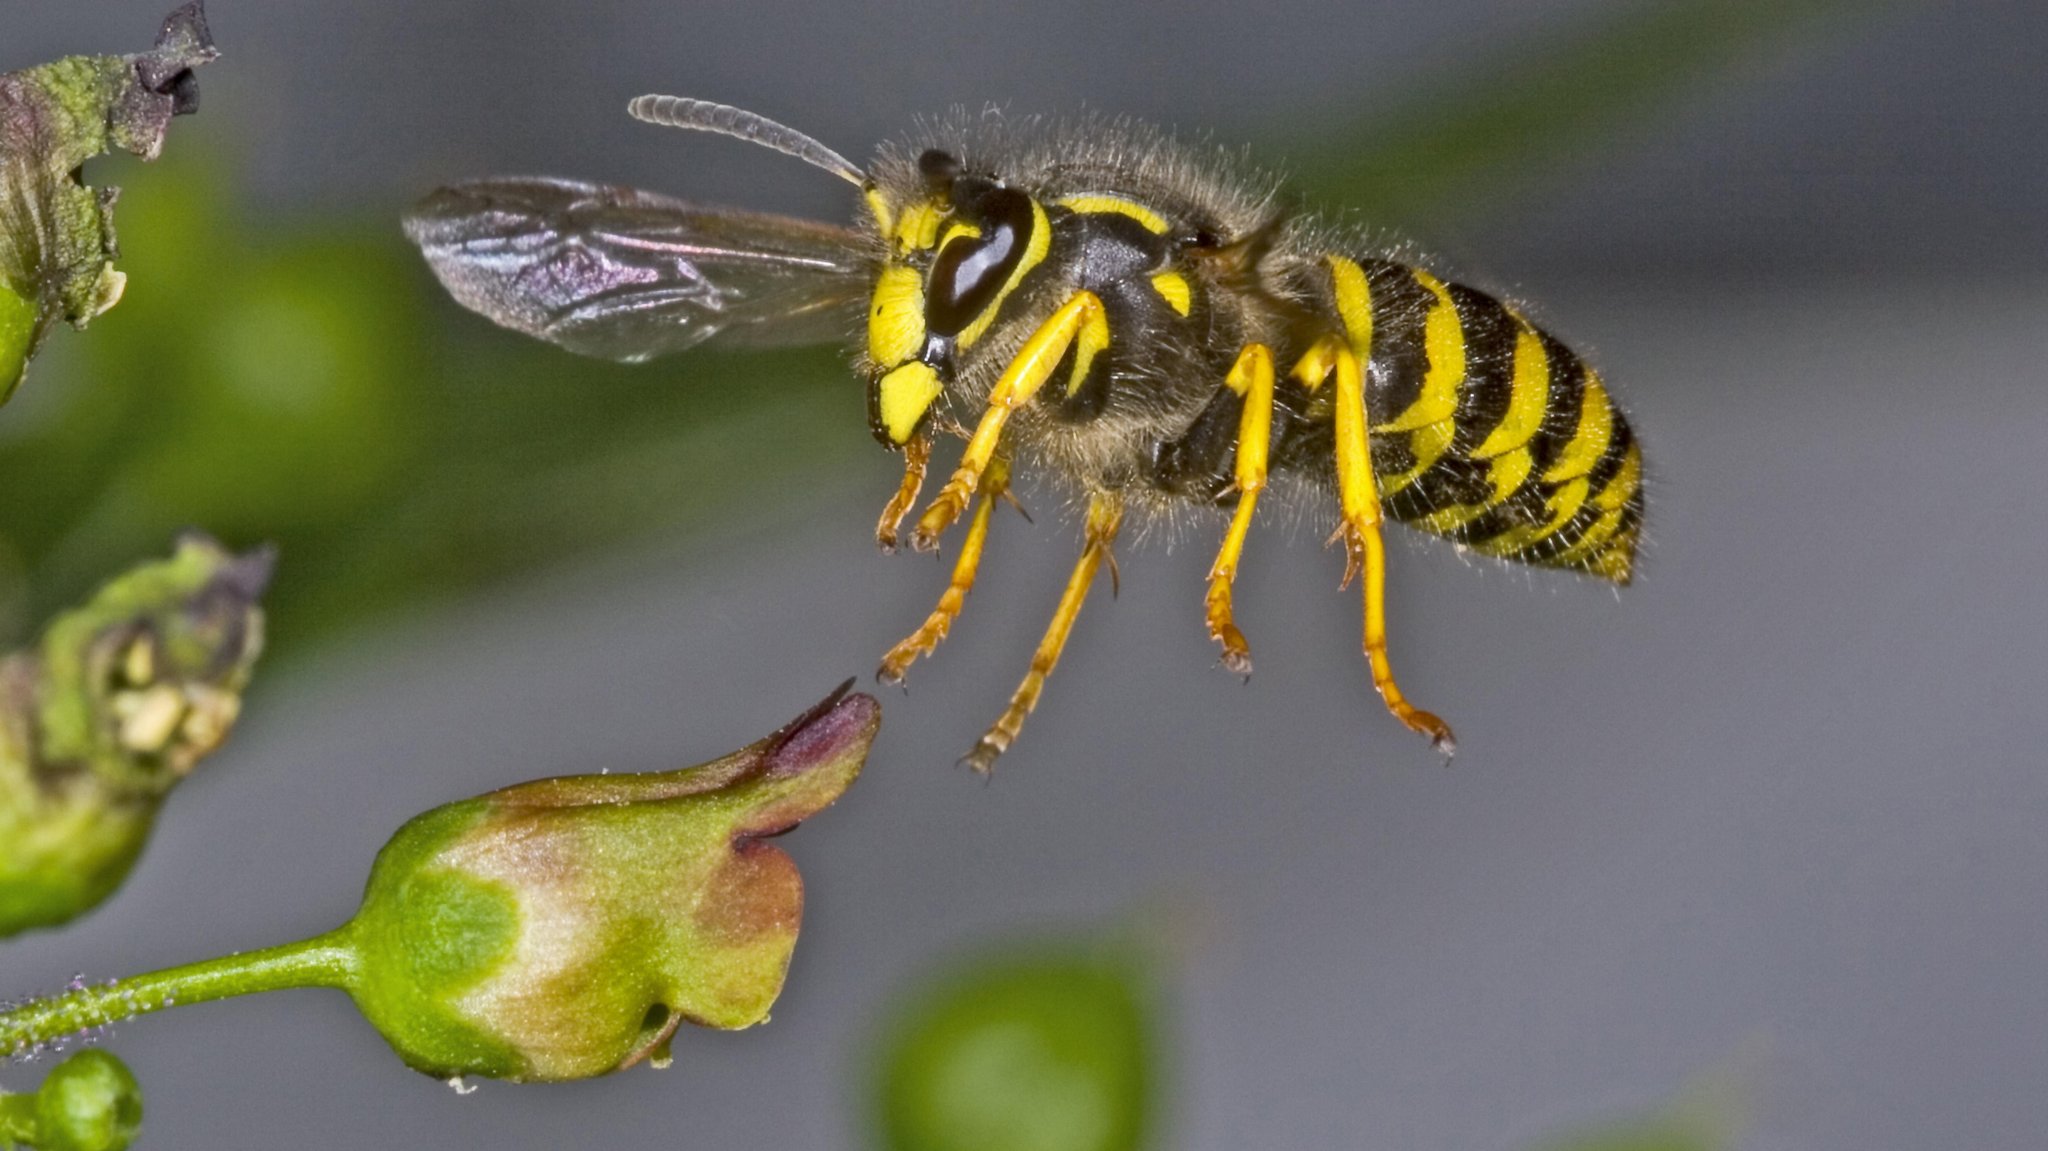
[[1364, 551], [916, 454], [1020, 381], [1252, 378], [994, 486], [1105, 516]]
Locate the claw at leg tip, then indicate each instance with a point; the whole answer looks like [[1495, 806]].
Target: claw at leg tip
[[1444, 744], [982, 759]]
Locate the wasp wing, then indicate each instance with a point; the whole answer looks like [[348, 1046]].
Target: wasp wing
[[628, 275]]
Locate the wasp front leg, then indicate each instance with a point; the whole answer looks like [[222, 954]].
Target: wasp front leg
[[995, 481], [1105, 517], [1251, 378], [1365, 551], [917, 454], [1079, 319]]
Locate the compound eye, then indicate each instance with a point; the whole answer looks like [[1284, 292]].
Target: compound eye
[[970, 271]]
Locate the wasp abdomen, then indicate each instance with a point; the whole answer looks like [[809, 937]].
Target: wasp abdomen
[[1485, 429]]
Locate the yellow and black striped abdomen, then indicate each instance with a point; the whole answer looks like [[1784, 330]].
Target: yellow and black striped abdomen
[[1485, 430]]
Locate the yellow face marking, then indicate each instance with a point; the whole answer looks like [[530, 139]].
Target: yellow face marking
[[1354, 303], [1428, 445], [879, 206], [905, 394], [1589, 442], [1443, 340], [1527, 399], [917, 229], [1153, 221], [896, 316], [1173, 288], [1088, 342], [1034, 252]]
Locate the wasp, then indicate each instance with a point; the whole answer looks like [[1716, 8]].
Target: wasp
[[1146, 323]]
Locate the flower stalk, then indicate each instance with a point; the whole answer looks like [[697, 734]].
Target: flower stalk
[[557, 929]]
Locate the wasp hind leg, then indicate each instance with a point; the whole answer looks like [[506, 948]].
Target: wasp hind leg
[[1365, 552], [995, 480], [1105, 517], [1251, 377], [1081, 320]]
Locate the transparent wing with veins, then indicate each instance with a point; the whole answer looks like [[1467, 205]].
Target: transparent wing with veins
[[628, 275]]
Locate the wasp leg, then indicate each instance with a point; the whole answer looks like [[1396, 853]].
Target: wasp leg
[[1251, 377], [917, 452], [995, 480], [1105, 516], [1080, 318], [1365, 552]]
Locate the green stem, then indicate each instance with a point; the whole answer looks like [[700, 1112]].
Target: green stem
[[324, 961]]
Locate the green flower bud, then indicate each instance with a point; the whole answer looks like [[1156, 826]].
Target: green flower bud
[[1046, 1048], [57, 235], [558, 929], [90, 1102], [117, 703], [563, 928]]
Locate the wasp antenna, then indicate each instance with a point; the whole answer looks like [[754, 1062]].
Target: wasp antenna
[[726, 120]]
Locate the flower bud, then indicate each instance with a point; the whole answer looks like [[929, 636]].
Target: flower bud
[[117, 703], [89, 1102], [563, 928]]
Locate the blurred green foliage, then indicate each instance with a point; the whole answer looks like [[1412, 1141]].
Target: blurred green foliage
[[1510, 116], [1049, 1046]]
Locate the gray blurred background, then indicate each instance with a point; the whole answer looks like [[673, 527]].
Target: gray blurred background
[[1779, 808]]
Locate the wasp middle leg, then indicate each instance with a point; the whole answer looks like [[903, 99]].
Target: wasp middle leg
[[1251, 378], [1105, 517]]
